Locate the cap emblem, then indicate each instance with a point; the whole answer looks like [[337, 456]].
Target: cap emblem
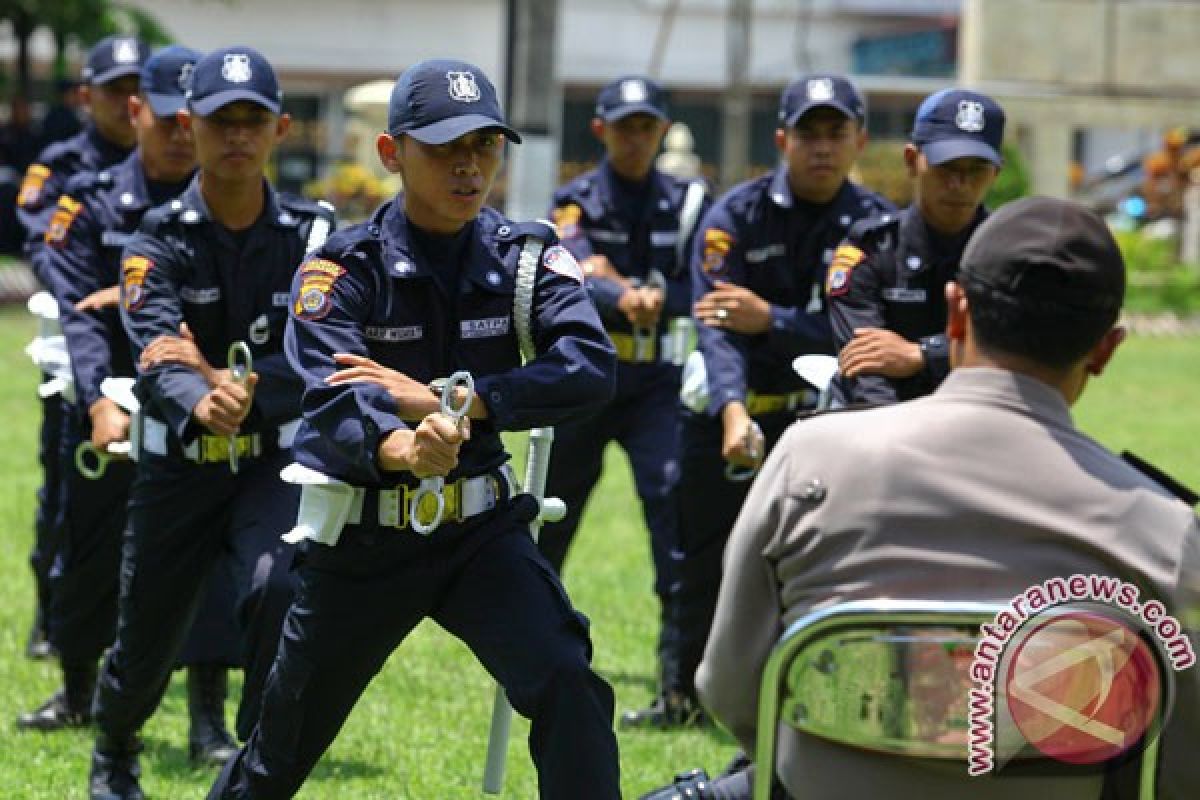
[[125, 51], [236, 68], [463, 87], [970, 116], [820, 90], [185, 76], [633, 91]]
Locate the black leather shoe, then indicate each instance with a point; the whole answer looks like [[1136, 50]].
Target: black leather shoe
[[115, 771], [687, 786], [672, 709], [209, 741], [54, 715]]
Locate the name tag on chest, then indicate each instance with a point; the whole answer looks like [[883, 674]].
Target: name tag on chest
[[114, 238], [279, 299], [378, 333], [897, 295], [761, 254], [202, 296], [484, 328], [664, 238]]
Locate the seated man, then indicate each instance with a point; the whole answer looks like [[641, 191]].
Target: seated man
[[1000, 491]]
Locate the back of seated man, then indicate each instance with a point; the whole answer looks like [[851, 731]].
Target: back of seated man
[[973, 493]]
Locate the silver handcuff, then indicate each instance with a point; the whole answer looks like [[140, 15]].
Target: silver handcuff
[[434, 485], [241, 364], [753, 441], [92, 462]]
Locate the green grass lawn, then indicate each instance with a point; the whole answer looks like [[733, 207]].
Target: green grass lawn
[[420, 730]]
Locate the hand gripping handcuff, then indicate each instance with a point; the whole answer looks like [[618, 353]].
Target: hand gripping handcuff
[[436, 484], [241, 363]]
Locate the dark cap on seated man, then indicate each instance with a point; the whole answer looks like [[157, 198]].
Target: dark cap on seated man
[[166, 78], [114, 57], [631, 94], [439, 100], [959, 123], [230, 74], [821, 91]]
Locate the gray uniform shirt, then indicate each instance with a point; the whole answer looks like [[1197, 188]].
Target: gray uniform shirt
[[973, 493]]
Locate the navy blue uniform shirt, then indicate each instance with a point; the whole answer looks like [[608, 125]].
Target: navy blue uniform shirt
[[369, 292], [636, 228], [47, 176], [182, 266], [891, 272], [757, 235], [91, 224]]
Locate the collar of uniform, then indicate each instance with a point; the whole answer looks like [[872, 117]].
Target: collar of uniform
[[108, 152], [392, 224], [194, 209], [129, 184], [485, 266], [779, 190], [1007, 389], [912, 239]]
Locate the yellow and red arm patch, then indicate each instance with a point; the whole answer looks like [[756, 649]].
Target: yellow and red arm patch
[[314, 298], [30, 194], [64, 214], [717, 244], [133, 281], [566, 220], [845, 259]]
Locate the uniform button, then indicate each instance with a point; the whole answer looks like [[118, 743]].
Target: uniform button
[[503, 230], [494, 395], [176, 205], [191, 215], [844, 220], [127, 198], [913, 262], [493, 278]]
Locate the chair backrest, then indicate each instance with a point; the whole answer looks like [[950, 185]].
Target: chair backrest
[[888, 676]]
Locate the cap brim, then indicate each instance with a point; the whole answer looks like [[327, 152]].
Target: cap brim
[[807, 107], [940, 152], [208, 105], [620, 112], [119, 71], [447, 130], [165, 105]]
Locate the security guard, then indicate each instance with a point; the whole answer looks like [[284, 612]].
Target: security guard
[[629, 226], [220, 259], [758, 272], [885, 283], [92, 221], [110, 78], [424, 289]]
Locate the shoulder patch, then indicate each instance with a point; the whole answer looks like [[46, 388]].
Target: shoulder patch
[[717, 244], [566, 219], [65, 213], [314, 298], [133, 281], [845, 259], [559, 260], [30, 194]]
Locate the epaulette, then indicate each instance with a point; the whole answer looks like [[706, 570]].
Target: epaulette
[[303, 205], [84, 182], [1164, 480], [157, 217], [821, 412], [537, 228], [869, 227]]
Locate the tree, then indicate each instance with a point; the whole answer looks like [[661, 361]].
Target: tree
[[81, 21]]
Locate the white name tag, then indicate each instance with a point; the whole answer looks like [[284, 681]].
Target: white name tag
[[202, 296], [483, 328], [612, 237], [280, 299], [410, 333], [664, 238], [115, 238], [761, 254], [904, 295]]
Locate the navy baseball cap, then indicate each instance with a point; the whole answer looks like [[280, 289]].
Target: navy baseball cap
[[439, 100], [166, 77], [956, 123], [1052, 250], [820, 91], [114, 57], [631, 94], [230, 74]]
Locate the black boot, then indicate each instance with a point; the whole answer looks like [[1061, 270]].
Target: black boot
[[69, 708], [209, 741], [671, 709], [115, 770], [686, 786]]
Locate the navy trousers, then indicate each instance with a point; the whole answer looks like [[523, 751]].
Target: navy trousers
[[484, 582], [182, 520]]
